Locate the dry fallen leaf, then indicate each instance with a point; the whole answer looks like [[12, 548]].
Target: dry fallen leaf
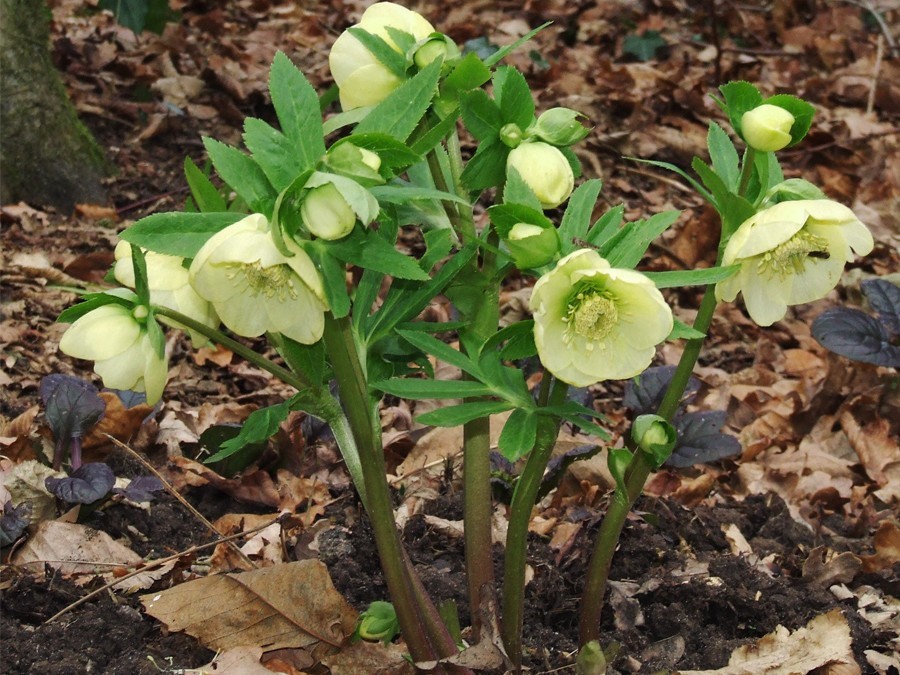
[[369, 658], [824, 641], [237, 661], [285, 606], [887, 548]]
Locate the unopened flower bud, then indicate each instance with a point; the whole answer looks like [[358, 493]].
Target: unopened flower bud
[[511, 135], [560, 126], [140, 312], [435, 48], [767, 127], [546, 171], [370, 159], [378, 622], [531, 245], [326, 214], [655, 436]]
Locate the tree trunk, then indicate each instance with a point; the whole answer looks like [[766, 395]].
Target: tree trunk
[[47, 157]]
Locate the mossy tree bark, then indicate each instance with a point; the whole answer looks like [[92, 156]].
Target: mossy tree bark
[[47, 156]]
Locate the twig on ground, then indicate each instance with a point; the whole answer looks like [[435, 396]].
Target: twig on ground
[[879, 55]]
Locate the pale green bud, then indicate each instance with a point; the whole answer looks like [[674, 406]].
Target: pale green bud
[[546, 171], [531, 245], [326, 214], [767, 127], [560, 126], [378, 622], [655, 436], [511, 135], [439, 47]]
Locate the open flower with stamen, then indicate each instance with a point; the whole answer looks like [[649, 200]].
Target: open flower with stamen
[[255, 288], [791, 253], [170, 286], [593, 322], [115, 338]]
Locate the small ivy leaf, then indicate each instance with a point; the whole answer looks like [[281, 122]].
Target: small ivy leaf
[[72, 406], [557, 466], [13, 522], [644, 47], [644, 393], [701, 440], [141, 489], [856, 335], [86, 485], [885, 300]]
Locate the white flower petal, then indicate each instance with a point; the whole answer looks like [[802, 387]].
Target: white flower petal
[[101, 333]]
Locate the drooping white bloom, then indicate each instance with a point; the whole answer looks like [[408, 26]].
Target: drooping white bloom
[[791, 253], [546, 171], [593, 322], [255, 288], [170, 286], [767, 127], [362, 79], [116, 340]]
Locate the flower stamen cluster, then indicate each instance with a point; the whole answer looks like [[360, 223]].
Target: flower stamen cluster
[[591, 314], [791, 256]]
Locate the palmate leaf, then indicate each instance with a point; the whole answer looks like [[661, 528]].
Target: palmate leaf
[[243, 174], [856, 335], [297, 106], [274, 152], [513, 95]]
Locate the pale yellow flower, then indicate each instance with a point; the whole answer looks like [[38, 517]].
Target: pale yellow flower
[[767, 127], [791, 253], [545, 170], [362, 79], [118, 343], [593, 322], [170, 286], [255, 288], [326, 214]]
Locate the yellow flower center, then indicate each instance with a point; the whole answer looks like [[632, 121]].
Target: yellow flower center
[[790, 256], [276, 280], [591, 314]]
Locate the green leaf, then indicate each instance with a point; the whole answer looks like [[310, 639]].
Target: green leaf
[[306, 359], [440, 350], [627, 246], [711, 180], [517, 191], [177, 233], [393, 153], [422, 389], [734, 211], [501, 53], [518, 435], [469, 73], [273, 152], [119, 296], [334, 279], [480, 114], [297, 107], [802, 111], [740, 97], [513, 95], [487, 168], [577, 218], [724, 156], [506, 216], [381, 50], [438, 245], [206, 195], [681, 331], [456, 415], [399, 114], [345, 119], [678, 170], [691, 277], [259, 426], [402, 194], [791, 189], [242, 174], [367, 249], [605, 226], [645, 46], [431, 138]]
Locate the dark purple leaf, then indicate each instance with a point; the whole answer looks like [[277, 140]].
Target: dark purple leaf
[[86, 485], [885, 300], [13, 522], [141, 489], [644, 393], [72, 406], [130, 399], [558, 465], [856, 335], [700, 439]]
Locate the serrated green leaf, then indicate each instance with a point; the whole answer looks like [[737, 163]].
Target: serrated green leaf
[[297, 107], [487, 168], [681, 331], [440, 350], [577, 218], [627, 246], [456, 415], [381, 50], [369, 250], [702, 277], [431, 138], [400, 113], [506, 216], [605, 226], [678, 170], [438, 244], [242, 174], [518, 435], [469, 73], [501, 53], [425, 389], [802, 111], [517, 191], [334, 278], [177, 233], [513, 95], [206, 195], [258, 427], [724, 156], [480, 114], [711, 180], [120, 296], [273, 152], [403, 194], [739, 97]]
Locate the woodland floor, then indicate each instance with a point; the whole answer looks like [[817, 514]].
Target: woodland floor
[[800, 531]]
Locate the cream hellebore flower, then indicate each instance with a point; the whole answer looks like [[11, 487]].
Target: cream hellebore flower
[[593, 322], [115, 338], [767, 127], [362, 79], [170, 286], [255, 288], [791, 253], [546, 171]]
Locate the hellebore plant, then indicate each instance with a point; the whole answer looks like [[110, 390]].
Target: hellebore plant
[[274, 261]]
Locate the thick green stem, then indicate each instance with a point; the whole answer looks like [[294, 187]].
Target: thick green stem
[[477, 505], [635, 477], [520, 509], [746, 170]]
